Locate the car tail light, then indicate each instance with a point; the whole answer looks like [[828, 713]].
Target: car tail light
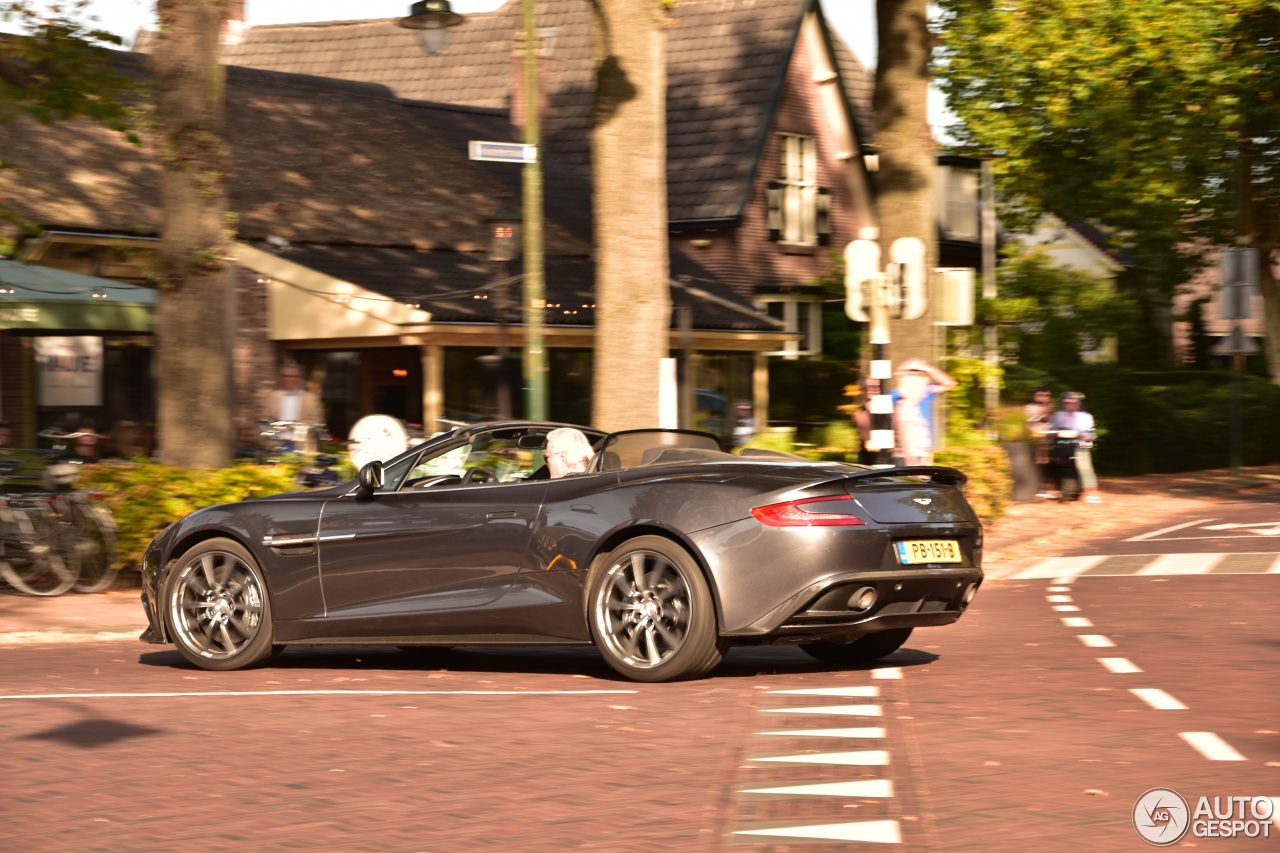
[[806, 512]]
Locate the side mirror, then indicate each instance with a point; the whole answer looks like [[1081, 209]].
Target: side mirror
[[371, 477]]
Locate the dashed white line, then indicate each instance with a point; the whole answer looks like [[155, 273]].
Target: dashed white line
[[1096, 641], [1153, 534], [1211, 746], [1058, 589], [1157, 699], [1076, 622], [1119, 665], [867, 732], [887, 672], [871, 831], [1058, 599], [856, 758], [858, 788], [850, 710], [1066, 608], [865, 692]]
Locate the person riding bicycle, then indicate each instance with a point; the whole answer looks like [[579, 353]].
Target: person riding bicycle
[[1073, 423]]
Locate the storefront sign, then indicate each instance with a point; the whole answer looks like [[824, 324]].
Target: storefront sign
[[69, 370]]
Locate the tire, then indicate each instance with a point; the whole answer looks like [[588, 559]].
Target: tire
[[651, 612], [218, 607], [95, 544], [864, 649], [29, 559]]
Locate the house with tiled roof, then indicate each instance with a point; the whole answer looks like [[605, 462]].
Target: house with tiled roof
[[767, 110], [362, 228]]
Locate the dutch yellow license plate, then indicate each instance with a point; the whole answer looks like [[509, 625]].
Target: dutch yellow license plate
[[914, 551]]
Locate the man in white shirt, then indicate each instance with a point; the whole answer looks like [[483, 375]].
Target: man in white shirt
[[293, 403], [1072, 421]]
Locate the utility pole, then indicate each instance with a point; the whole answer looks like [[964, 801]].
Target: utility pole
[[535, 359]]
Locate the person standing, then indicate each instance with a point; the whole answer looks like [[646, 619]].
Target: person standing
[[1037, 414], [296, 404], [918, 384], [1073, 422]]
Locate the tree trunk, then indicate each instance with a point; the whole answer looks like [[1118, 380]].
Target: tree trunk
[[905, 194], [628, 146], [195, 308]]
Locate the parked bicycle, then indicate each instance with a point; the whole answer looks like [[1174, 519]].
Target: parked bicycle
[[30, 560], [87, 533]]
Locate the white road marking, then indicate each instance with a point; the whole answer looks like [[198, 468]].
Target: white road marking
[[871, 831], [1096, 641], [41, 638], [1058, 589], [1211, 746], [1119, 665], [1066, 608], [1157, 699], [866, 692], [1275, 811], [857, 758], [860, 788], [870, 731], [851, 710], [1076, 622], [1273, 527], [1063, 570], [1153, 534], [231, 693], [1181, 564], [1275, 570], [887, 672], [1058, 599]]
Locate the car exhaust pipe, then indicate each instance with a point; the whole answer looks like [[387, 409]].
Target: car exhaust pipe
[[863, 599]]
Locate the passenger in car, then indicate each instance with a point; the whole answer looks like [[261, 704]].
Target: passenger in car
[[568, 452]]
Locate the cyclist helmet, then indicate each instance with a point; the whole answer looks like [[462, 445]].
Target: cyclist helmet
[[1073, 395]]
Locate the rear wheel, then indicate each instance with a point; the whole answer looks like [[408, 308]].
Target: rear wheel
[[217, 604], [651, 612], [864, 649]]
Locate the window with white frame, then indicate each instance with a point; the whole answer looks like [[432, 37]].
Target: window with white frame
[[803, 315], [799, 210]]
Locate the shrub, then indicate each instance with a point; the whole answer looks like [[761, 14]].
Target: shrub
[[990, 484], [145, 497]]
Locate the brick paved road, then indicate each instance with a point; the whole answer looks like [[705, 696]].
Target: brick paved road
[[1002, 732]]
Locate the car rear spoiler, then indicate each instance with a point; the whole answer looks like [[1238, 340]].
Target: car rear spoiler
[[934, 473]]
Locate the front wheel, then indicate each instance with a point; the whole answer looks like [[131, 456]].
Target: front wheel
[[864, 649], [218, 607], [651, 612]]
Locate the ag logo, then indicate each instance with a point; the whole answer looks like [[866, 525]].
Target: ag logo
[[1161, 817]]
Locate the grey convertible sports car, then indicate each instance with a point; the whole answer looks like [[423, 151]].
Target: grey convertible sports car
[[663, 552]]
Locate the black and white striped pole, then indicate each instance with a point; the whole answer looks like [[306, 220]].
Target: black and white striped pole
[[875, 296]]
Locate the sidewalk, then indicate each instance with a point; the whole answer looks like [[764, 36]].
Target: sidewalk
[[1127, 502]]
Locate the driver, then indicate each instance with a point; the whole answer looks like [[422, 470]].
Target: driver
[[568, 452]]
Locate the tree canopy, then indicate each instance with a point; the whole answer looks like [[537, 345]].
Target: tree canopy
[[1155, 119]]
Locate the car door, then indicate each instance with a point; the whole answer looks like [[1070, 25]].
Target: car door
[[423, 562]]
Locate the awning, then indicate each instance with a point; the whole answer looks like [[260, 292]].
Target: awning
[[35, 297]]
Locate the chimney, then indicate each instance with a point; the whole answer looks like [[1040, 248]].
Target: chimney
[[233, 29], [545, 45]]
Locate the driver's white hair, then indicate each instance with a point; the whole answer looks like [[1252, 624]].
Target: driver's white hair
[[568, 452]]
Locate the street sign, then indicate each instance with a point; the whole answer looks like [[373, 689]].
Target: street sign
[[502, 152]]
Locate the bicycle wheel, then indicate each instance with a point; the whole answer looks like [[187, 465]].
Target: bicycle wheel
[[95, 546], [30, 563]]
